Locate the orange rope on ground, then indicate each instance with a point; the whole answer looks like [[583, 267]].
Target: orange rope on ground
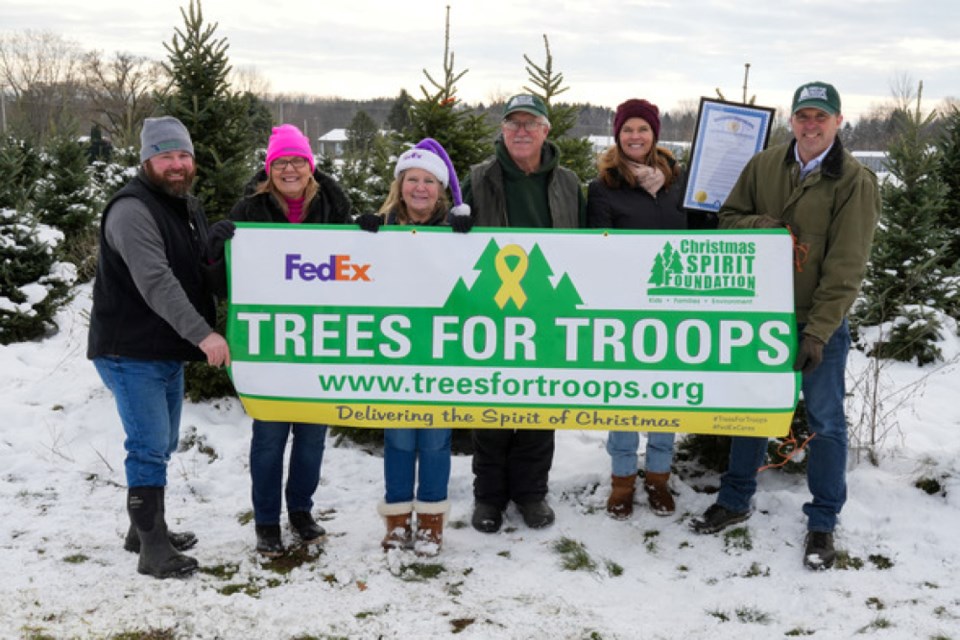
[[791, 439]]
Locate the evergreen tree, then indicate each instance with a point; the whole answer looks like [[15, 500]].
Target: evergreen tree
[[361, 134], [365, 177], [576, 153], [949, 171], [21, 168], [33, 284], [399, 117], [220, 121], [907, 278], [67, 200], [441, 116]]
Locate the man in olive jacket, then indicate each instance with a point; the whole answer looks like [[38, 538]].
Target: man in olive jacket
[[831, 204], [521, 186]]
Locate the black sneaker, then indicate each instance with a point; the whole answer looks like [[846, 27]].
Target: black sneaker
[[537, 515], [306, 528], [487, 518], [269, 543], [819, 553], [716, 518]]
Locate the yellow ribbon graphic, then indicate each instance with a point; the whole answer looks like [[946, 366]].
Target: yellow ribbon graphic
[[510, 289]]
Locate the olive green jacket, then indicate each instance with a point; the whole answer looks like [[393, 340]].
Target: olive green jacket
[[832, 213]]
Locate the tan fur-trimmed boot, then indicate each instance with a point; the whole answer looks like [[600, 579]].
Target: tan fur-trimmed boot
[[658, 493], [397, 519], [431, 517], [620, 502]]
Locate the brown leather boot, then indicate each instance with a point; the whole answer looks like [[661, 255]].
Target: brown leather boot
[[430, 519], [658, 493], [620, 502], [399, 531]]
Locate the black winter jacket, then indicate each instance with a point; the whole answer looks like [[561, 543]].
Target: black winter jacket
[[330, 206]]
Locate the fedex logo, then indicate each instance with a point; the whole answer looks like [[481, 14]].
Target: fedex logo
[[337, 268]]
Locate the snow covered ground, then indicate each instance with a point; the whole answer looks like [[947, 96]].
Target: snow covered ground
[[65, 574]]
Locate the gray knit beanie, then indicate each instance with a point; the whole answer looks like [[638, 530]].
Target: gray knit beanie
[[162, 134]]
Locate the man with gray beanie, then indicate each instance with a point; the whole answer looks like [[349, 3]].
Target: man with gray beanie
[[152, 310]]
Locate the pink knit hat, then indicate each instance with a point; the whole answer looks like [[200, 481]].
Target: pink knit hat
[[286, 140]]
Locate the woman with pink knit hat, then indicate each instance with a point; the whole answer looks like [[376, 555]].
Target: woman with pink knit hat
[[418, 457], [289, 189], [640, 186]]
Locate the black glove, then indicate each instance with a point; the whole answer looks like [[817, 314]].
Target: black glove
[[219, 233], [460, 218], [370, 222], [461, 224], [809, 356]]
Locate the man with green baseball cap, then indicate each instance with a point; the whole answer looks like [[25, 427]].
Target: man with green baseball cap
[[522, 185], [831, 204]]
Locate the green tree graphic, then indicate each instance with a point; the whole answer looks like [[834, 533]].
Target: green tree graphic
[[542, 298]]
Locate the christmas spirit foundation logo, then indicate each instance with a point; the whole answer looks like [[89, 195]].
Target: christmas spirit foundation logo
[[705, 268]]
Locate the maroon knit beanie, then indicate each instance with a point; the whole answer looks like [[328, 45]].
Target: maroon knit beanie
[[635, 108]]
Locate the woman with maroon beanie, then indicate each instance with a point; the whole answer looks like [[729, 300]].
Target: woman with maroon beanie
[[640, 186]]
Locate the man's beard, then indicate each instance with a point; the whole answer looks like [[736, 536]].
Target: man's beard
[[175, 188]]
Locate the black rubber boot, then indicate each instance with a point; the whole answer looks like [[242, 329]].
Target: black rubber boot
[[181, 540], [158, 558]]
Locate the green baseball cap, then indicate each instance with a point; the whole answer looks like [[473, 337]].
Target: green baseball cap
[[817, 95], [527, 103]]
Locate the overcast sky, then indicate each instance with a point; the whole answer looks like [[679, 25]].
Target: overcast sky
[[668, 51]]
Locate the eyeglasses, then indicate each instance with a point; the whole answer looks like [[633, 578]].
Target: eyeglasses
[[281, 164], [527, 125]]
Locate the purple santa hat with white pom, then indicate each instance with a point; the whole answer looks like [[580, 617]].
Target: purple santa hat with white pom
[[429, 155]]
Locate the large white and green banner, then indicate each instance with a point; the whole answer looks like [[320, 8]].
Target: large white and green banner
[[649, 331]]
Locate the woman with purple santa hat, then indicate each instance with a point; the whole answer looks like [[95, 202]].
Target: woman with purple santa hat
[[416, 462]]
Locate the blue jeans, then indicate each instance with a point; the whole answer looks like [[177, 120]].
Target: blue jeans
[[267, 446], [149, 395], [622, 447], [823, 393], [403, 449]]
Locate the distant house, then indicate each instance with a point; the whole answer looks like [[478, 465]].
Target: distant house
[[332, 143]]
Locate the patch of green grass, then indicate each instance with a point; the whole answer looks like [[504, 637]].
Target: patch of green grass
[[420, 571], [148, 634], [76, 558], [930, 486], [880, 562], [573, 555], [504, 554], [737, 539], [875, 603], [719, 615], [614, 570], [755, 570], [798, 631], [846, 561], [749, 615], [878, 623], [650, 540], [294, 557], [221, 571], [245, 517]]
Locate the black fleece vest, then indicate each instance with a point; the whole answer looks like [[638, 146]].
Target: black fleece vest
[[121, 322]]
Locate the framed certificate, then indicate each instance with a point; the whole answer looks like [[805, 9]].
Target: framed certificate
[[727, 135]]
